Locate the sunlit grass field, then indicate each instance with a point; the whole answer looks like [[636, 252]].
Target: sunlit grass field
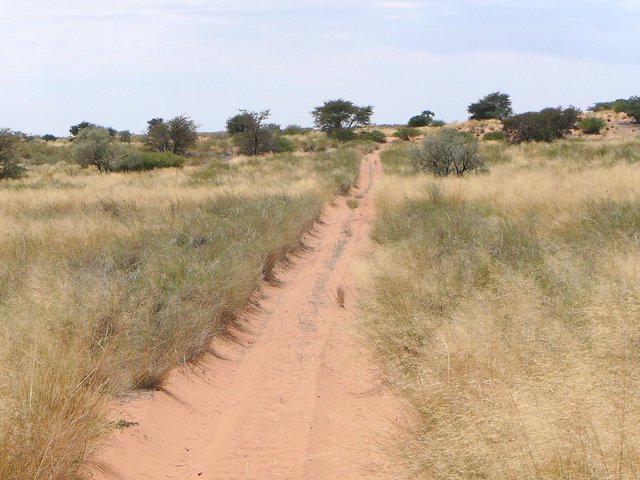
[[107, 281], [507, 310]]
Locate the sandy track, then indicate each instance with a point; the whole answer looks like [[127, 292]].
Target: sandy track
[[297, 397]]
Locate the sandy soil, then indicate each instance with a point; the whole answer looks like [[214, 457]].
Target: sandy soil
[[297, 396]]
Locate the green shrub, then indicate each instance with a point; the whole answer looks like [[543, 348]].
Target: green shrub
[[497, 135], [9, 167], [406, 133], [377, 136], [438, 123], [449, 151], [591, 125], [295, 130], [92, 146], [343, 135], [422, 120], [283, 145], [543, 126], [139, 161], [35, 152], [632, 108]]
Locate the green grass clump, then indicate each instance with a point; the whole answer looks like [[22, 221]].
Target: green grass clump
[[496, 136]]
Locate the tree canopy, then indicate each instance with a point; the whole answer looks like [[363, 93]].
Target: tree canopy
[[176, 135], [339, 116], [422, 120], [252, 135], [494, 105]]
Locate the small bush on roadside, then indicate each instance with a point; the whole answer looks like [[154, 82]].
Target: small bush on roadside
[[449, 151], [497, 135], [591, 125], [406, 133]]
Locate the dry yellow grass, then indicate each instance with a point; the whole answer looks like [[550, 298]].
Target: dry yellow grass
[[507, 312], [107, 281]]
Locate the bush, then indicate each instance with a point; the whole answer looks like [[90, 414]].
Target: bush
[[438, 123], [377, 136], [448, 151], [139, 161], [591, 125], [406, 133], [283, 145], [92, 146], [422, 120], [497, 135], [632, 108], [35, 152], [9, 167], [49, 138], [295, 130], [544, 126]]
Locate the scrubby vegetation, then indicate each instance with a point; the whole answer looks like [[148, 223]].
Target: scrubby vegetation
[[406, 133], [630, 106], [498, 135], [543, 126], [505, 310], [9, 166], [446, 152], [109, 281], [591, 125]]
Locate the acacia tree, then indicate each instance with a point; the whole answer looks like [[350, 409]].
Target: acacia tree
[[339, 117], [75, 129], [250, 133], [176, 135], [422, 120], [494, 105]]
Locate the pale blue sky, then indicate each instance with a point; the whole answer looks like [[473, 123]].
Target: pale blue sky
[[121, 62]]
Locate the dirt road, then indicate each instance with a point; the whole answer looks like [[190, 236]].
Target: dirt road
[[298, 397]]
